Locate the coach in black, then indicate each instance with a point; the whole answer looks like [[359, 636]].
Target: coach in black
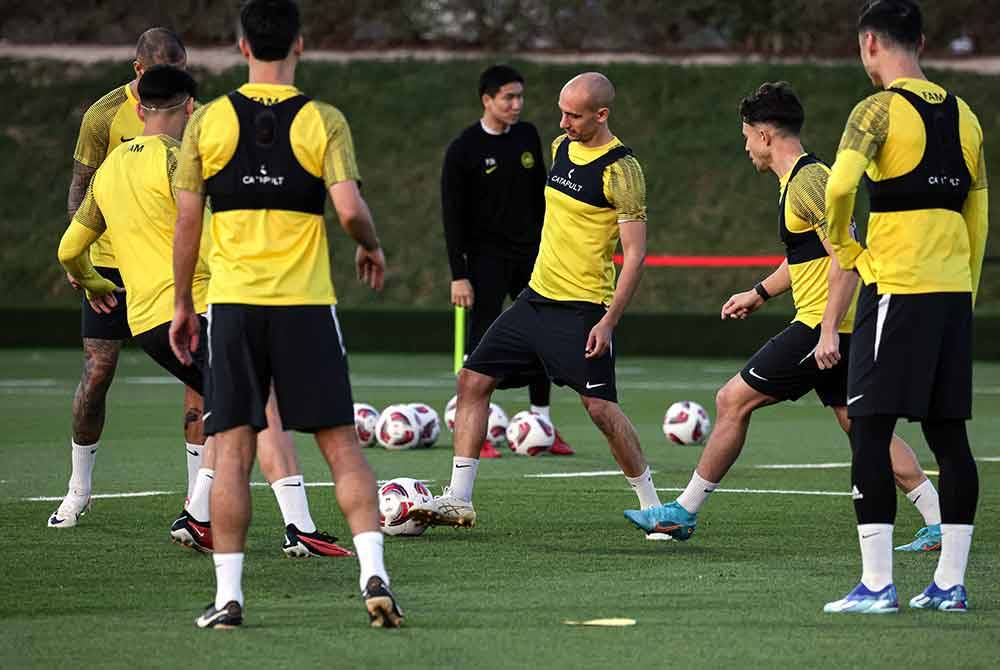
[[493, 204]]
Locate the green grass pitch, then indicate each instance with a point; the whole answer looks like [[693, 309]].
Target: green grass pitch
[[746, 591]]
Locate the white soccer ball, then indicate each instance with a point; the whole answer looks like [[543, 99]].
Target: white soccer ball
[[430, 424], [395, 500], [686, 422], [449, 413], [365, 419], [530, 434], [398, 428], [496, 427]]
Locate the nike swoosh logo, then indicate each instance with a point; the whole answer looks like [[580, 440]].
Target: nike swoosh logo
[[55, 521], [295, 484], [857, 397], [489, 170], [126, 139], [754, 374], [201, 533], [865, 537], [468, 465], [193, 453], [594, 386], [207, 414]]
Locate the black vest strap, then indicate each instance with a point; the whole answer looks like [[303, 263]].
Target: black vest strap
[[263, 172], [583, 182], [799, 247], [941, 179]]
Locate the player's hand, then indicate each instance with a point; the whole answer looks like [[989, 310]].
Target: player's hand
[[598, 340], [371, 267], [741, 305], [828, 350], [462, 294], [101, 295], [185, 330], [73, 282]]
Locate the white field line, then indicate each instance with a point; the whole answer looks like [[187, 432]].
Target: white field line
[[787, 492], [802, 466], [571, 475]]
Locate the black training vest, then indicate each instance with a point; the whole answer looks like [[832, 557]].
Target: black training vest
[[263, 172], [583, 182], [941, 180], [799, 247]]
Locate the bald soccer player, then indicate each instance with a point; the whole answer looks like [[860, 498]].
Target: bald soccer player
[[563, 323]]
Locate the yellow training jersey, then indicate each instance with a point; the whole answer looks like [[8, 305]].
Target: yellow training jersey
[[110, 121], [587, 196], [920, 250], [268, 256], [132, 197], [803, 198]]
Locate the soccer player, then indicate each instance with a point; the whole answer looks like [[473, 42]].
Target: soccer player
[[132, 196], [493, 205], [111, 121], [921, 148], [811, 353], [564, 320], [268, 157]]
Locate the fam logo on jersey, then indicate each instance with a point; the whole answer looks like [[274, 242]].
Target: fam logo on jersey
[[491, 164], [527, 160], [567, 181], [262, 179]]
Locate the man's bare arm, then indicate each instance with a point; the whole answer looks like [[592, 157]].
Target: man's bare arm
[[82, 174]]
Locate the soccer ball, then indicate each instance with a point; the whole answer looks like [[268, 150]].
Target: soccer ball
[[686, 422], [430, 424], [496, 427], [395, 500], [449, 413], [365, 418], [398, 427], [529, 434]]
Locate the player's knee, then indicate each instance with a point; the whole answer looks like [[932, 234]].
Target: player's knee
[[98, 371], [726, 401], [598, 409], [474, 385]]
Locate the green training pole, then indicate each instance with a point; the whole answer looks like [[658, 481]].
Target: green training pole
[[459, 338]]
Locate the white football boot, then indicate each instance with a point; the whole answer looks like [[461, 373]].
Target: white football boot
[[445, 510], [70, 510]]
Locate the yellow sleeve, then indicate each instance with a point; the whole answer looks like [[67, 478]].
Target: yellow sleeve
[[976, 215], [339, 163], [92, 142], [74, 256], [189, 176], [625, 189], [555, 145], [868, 126], [807, 197], [841, 189]]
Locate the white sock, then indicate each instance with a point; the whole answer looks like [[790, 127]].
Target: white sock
[[228, 578], [925, 499], [291, 494], [643, 487], [541, 410], [368, 546], [956, 539], [83, 458], [201, 493], [193, 463], [463, 476], [696, 493], [876, 555]]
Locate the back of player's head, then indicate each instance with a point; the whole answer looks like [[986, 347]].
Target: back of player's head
[[165, 87], [160, 45], [270, 27], [898, 21], [774, 103], [496, 77]]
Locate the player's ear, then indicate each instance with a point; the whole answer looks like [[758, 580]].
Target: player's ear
[[140, 112], [244, 47], [189, 107], [137, 66], [298, 45], [602, 115]]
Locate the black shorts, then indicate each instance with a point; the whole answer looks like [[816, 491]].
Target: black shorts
[[912, 356], [493, 280], [535, 335], [100, 326], [156, 343], [785, 368], [297, 348]]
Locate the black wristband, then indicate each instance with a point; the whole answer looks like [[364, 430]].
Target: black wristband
[[762, 292]]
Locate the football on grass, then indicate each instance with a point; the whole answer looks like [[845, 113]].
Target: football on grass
[[398, 428], [395, 500], [365, 418], [529, 434]]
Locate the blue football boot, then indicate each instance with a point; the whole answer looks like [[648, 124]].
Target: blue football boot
[[862, 600], [928, 539], [955, 599], [671, 519]]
